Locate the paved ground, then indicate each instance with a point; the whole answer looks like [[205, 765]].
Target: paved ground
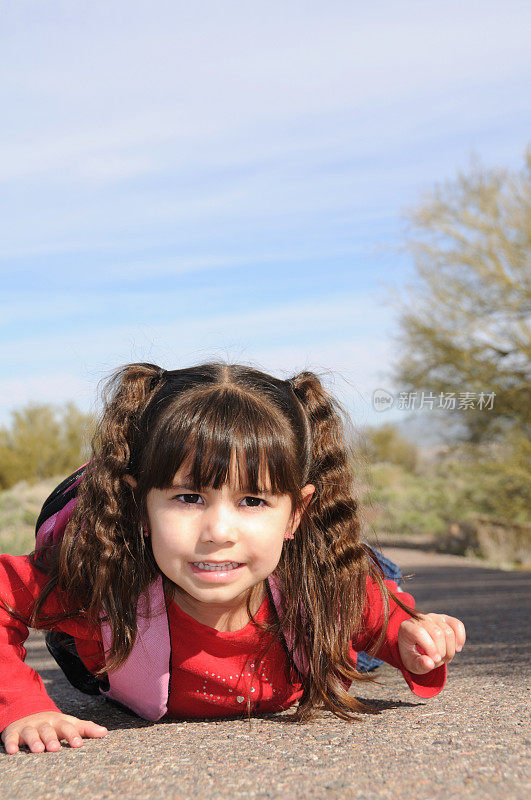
[[469, 742]]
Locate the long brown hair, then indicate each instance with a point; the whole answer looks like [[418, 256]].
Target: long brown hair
[[290, 432]]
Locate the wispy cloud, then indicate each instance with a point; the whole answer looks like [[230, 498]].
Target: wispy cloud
[[340, 327], [180, 178]]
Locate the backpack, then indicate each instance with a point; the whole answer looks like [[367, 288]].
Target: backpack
[[142, 683]]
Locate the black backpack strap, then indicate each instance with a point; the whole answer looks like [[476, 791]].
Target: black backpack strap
[[62, 647], [60, 496]]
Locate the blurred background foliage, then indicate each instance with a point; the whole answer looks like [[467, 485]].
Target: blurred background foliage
[[42, 445], [464, 322], [408, 491], [43, 441], [464, 326]]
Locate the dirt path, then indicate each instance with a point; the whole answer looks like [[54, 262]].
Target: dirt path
[[469, 742]]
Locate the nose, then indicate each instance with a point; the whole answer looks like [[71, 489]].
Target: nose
[[219, 524]]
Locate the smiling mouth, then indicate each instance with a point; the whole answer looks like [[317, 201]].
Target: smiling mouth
[[213, 566]]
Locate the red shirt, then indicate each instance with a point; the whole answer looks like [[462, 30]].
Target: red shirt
[[211, 671]]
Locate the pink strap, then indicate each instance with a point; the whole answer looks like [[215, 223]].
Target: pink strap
[[143, 682], [299, 658]]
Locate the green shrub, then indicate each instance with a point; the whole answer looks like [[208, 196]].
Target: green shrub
[[386, 445], [42, 441], [471, 480]]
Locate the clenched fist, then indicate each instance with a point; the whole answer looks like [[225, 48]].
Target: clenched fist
[[429, 642]]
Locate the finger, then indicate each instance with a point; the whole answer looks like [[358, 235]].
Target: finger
[[31, 738], [65, 730], [423, 651], [459, 632], [454, 633], [455, 624], [90, 730], [11, 741], [450, 641], [440, 633], [49, 737], [423, 662]]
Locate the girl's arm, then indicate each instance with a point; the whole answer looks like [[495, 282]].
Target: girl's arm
[[27, 713], [22, 690], [407, 640]]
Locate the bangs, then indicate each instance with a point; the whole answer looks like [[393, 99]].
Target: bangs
[[221, 436]]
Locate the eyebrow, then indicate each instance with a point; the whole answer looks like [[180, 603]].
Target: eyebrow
[[186, 483]]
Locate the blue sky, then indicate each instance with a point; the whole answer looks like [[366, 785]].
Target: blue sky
[[187, 181]]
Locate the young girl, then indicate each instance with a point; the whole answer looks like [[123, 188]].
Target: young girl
[[211, 564]]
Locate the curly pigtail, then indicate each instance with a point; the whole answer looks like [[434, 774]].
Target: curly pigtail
[[324, 570], [103, 561]]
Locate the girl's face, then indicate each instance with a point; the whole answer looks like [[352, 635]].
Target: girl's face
[[216, 545]]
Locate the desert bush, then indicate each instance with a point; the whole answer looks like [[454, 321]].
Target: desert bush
[[488, 537], [384, 444], [469, 481], [43, 440]]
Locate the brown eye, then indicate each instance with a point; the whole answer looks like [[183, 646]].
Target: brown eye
[[189, 498], [255, 500]]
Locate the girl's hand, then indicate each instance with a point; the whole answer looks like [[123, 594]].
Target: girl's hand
[[429, 642], [43, 731]]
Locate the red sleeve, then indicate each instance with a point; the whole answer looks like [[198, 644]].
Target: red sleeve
[[22, 690], [427, 685]]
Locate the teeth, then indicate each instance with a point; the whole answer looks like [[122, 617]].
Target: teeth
[[216, 567]]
